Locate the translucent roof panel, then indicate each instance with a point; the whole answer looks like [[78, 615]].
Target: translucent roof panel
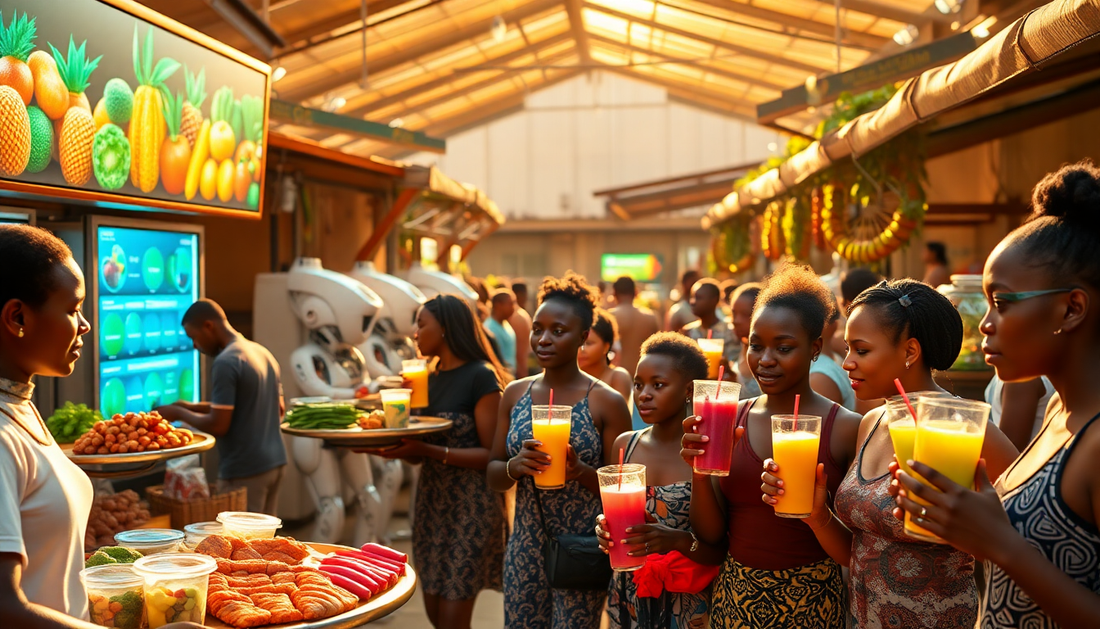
[[443, 65]]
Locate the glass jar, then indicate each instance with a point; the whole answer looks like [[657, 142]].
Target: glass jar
[[965, 292]]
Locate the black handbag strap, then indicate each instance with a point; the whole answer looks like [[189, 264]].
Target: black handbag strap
[[538, 503]]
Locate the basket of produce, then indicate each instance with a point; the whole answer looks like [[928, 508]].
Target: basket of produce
[[344, 425], [184, 512], [113, 514], [131, 444]]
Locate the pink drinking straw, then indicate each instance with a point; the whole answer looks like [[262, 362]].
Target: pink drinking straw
[[901, 390], [550, 411], [710, 333], [622, 452], [721, 372], [797, 398]]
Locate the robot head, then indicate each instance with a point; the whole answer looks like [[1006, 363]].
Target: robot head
[[402, 299], [433, 283], [345, 310]]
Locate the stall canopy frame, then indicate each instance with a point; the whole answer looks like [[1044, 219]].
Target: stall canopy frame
[[1027, 45]]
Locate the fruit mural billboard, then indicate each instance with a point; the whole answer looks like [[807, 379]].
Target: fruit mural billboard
[[109, 102]]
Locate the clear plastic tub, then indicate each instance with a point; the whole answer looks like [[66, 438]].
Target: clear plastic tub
[[116, 596], [150, 541], [175, 586], [199, 531], [248, 525]]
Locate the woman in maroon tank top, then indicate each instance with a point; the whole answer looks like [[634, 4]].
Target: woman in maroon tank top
[[902, 329], [777, 574]]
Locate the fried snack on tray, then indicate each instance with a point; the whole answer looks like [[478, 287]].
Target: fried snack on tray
[[255, 592], [280, 549]]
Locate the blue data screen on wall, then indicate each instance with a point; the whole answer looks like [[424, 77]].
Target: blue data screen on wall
[[147, 280]]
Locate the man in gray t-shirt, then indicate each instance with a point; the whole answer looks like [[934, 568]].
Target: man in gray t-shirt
[[245, 407]]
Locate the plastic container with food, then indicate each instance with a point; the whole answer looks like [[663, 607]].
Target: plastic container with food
[[249, 525], [116, 596], [199, 531], [175, 586], [150, 541]]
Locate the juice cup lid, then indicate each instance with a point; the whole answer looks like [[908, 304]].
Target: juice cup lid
[[111, 576], [249, 520], [148, 537], [175, 565]]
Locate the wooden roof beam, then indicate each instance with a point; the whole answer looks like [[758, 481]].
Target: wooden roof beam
[[799, 24], [742, 50], [580, 33], [748, 80], [320, 31], [877, 9], [424, 46], [381, 103]]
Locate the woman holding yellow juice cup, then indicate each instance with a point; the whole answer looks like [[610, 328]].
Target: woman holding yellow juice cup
[[570, 497], [776, 568], [897, 330], [453, 501], [1037, 525]]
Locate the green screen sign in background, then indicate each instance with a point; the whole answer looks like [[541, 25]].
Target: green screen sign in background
[[640, 267]]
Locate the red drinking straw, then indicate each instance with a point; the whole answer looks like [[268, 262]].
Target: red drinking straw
[[797, 399], [721, 372], [901, 390], [550, 411], [710, 333], [622, 452]]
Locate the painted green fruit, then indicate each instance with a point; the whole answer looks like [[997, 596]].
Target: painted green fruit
[[111, 157], [41, 140], [119, 100], [253, 199]]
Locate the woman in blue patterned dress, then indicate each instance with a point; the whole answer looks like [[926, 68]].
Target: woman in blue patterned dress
[[559, 327], [1037, 525], [663, 385], [459, 528]]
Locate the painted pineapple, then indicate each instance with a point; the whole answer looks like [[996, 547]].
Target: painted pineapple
[[77, 133], [147, 126], [75, 148], [192, 107], [15, 133]]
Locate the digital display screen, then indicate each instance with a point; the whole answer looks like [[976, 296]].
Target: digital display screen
[[146, 280], [19, 218]]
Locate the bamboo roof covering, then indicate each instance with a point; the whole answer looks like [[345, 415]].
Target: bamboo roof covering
[[437, 66]]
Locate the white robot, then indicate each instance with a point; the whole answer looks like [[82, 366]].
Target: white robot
[[339, 313], [433, 283], [389, 343], [391, 340]]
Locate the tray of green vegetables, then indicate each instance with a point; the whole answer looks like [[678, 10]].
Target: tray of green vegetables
[[344, 425]]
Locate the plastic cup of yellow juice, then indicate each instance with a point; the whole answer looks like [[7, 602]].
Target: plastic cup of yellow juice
[[550, 425], [712, 349], [396, 404], [795, 444], [416, 372], [949, 437]]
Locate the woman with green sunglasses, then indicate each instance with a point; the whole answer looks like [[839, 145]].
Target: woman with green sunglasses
[[1037, 525]]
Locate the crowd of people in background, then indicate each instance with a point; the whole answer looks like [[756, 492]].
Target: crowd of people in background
[[1022, 546]]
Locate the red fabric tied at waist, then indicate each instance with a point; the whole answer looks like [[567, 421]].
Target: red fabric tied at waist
[[673, 572]]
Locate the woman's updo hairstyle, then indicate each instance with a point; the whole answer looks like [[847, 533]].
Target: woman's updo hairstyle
[[575, 291], [606, 327], [1063, 232], [918, 310], [797, 287]]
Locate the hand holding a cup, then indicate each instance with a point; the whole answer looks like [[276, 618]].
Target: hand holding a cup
[[691, 441], [530, 461], [974, 522], [771, 483]]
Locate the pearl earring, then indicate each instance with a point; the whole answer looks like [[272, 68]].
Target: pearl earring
[[1058, 331]]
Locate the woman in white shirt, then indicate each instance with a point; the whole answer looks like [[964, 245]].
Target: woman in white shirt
[[44, 498]]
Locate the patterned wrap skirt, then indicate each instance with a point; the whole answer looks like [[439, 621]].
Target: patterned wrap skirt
[[807, 597]]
